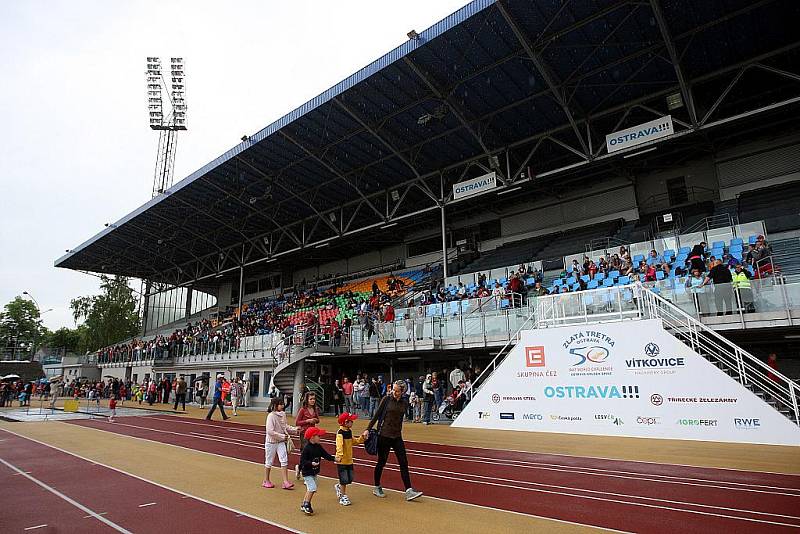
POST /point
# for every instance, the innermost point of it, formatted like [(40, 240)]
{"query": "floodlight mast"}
[(166, 124)]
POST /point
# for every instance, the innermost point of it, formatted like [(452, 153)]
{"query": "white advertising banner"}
[(621, 379), (476, 186), (640, 134)]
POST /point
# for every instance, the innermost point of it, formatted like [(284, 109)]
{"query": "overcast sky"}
[(76, 151)]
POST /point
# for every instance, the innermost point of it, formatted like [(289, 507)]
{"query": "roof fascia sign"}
[(475, 186), (640, 134)]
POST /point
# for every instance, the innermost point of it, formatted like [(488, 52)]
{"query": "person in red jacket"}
[(307, 417)]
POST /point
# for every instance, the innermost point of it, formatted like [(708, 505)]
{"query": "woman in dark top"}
[(391, 411), (697, 257)]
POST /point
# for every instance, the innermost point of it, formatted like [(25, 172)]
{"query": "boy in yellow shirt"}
[(344, 455)]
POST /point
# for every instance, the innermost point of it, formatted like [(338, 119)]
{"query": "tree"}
[(109, 317), (20, 323), (64, 338)]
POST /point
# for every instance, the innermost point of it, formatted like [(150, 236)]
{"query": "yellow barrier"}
[(70, 406)]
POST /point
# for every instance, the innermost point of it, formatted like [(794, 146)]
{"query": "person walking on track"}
[(276, 443), (217, 400), (389, 418), (307, 417), (180, 393), (236, 394)]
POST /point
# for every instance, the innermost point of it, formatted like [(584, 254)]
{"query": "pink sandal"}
[(287, 486), (267, 484)]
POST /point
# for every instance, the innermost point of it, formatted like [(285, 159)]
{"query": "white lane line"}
[(515, 484), (459, 476), (57, 493), (229, 458), (644, 477), (21, 473), (146, 504), (98, 513), (35, 527), (469, 457), (162, 486)]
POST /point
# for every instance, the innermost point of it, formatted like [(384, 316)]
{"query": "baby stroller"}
[(451, 406)]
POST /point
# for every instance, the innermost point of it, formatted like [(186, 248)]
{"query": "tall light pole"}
[(166, 124)]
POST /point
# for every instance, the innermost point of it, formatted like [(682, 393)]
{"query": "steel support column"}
[(686, 91)]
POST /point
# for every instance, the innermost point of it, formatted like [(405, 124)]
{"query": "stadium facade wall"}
[(699, 174), (758, 166)]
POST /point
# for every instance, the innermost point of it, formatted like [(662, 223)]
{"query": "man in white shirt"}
[(456, 376)]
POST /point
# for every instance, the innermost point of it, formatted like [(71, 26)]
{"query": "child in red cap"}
[(344, 455), (309, 465)]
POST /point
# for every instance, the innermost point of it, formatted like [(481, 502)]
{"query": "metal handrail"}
[(749, 371), (512, 341)]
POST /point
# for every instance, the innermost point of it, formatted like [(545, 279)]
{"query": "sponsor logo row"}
[(611, 391), (741, 423), (591, 355)]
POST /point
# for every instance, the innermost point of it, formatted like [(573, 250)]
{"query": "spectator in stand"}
[(697, 257), (741, 285), (650, 273), (772, 362), (592, 269), (721, 277), (575, 268), (515, 285), (498, 290)]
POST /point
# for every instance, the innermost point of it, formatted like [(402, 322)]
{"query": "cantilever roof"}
[(489, 79)]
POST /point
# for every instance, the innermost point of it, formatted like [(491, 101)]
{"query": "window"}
[(254, 375)]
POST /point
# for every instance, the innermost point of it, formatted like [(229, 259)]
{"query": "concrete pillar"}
[(299, 380)]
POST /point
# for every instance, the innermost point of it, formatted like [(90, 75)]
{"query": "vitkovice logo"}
[(654, 363), (591, 353)]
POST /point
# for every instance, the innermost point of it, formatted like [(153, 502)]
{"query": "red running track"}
[(93, 498), (624, 495)]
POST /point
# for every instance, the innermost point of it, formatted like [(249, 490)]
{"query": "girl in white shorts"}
[(276, 442)]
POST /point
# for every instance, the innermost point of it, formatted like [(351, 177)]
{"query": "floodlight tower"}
[(167, 124)]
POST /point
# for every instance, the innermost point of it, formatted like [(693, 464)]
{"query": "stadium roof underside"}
[(536, 84)]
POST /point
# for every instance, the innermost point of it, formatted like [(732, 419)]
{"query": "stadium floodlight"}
[(413, 35), (674, 101), (171, 80)]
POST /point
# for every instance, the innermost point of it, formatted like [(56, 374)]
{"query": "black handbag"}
[(371, 443)]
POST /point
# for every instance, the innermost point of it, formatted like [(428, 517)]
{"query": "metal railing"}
[(768, 383)]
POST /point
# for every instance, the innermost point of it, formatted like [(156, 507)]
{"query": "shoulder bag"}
[(371, 444)]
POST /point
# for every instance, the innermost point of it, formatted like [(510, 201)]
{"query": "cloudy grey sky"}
[(75, 147)]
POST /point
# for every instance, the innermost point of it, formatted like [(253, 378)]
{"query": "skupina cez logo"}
[(590, 351)]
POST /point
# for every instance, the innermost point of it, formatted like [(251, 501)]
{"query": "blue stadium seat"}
[(530, 281), (608, 282), (737, 254), (576, 287), (752, 239), (592, 284), (624, 280), (685, 250), (737, 241), (637, 258), (600, 276), (585, 277), (613, 274), (736, 248), (668, 254), (718, 244), (659, 275)]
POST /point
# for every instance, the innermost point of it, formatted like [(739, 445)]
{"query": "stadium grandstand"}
[(303, 234), (579, 219)]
